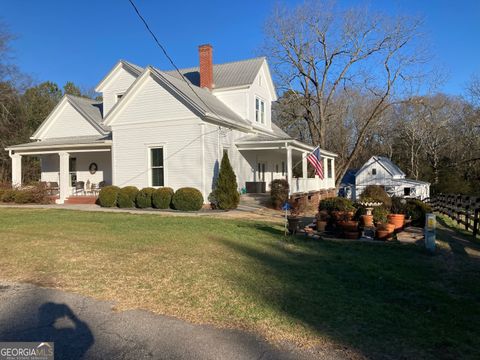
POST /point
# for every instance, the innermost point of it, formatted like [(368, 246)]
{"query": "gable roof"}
[(386, 163), (231, 74), (89, 109), (131, 68), (198, 100)]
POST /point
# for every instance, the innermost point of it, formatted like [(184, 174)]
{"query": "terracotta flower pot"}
[(367, 220), (349, 226), (321, 225), (385, 230), (398, 220), (383, 234)]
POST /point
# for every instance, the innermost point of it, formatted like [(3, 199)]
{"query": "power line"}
[(169, 58)]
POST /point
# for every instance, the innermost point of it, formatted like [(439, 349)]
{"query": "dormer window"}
[(119, 96), (259, 111)]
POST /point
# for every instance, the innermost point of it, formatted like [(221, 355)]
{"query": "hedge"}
[(126, 197), (162, 198), (187, 199), (144, 198), (416, 210), (8, 195), (108, 196)]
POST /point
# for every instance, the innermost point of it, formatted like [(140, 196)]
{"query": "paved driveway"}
[(84, 328)]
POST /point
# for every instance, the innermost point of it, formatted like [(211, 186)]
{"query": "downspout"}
[(202, 141)]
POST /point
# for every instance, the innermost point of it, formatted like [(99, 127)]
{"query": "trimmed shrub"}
[(278, 192), (376, 193), (8, 195), (416, 211), (32, 194), (144, 198), (108, 196), (336, 204), (162, 198), (126, 197), (187, 199), (226, 190)]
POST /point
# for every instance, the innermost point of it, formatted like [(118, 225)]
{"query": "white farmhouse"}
[(163, 128), (382, 171)]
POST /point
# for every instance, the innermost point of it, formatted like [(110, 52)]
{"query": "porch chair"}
[(80, 187)]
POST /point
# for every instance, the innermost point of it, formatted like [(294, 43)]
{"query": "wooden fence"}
[(464, 209)]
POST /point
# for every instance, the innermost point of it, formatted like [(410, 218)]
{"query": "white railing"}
[(301, 185)]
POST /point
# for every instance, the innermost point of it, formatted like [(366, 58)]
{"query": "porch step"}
[(85, 199), (255, 200)]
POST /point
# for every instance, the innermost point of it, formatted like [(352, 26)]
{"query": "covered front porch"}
[(68, 169), (286, 159)]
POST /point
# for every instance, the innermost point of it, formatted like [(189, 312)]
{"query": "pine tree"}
[(226, 192)]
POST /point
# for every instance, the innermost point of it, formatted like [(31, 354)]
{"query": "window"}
[(329, 168), (259, 111), (283, 168), (406, 191), (119, 96), (276, 168), (156, 166), (374, 171)]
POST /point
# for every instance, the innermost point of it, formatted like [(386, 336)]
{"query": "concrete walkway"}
[(84, 328)]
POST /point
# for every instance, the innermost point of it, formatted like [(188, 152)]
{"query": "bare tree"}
[(324, 54)]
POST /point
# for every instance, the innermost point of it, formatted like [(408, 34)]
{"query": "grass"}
[(380, 300)]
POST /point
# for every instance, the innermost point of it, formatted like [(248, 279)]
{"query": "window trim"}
[(260, 117), (150, 167)]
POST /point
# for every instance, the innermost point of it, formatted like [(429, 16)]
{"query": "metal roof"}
[(237, 73), (388, 164), (73, 140), (203, 101), (92, 109)]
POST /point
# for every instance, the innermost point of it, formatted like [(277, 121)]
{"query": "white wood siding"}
[(118, 84), (236, 99), (263, 92), (182, 153), (68, 122), (152, 103)]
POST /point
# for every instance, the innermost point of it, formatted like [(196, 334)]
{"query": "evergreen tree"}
[(226, 192), (71, 89)]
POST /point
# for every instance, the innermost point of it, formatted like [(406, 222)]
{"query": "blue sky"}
[(81, 40)]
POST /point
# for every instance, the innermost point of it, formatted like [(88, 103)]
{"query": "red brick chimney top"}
[(206, 66)]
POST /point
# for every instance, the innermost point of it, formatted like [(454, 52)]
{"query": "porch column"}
[(304, 165), (16, 170), (289, 167), (64, 179)]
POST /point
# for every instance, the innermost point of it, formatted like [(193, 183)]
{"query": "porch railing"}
[(301, 185)]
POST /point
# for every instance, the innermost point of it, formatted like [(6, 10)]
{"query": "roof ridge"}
[(225, 63)]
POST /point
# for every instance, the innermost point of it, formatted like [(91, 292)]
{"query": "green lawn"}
[(381, 300)]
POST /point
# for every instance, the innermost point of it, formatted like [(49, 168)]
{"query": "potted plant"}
[(367, 205), (322, 220), (384, 229), (293, 218), (397, 213)]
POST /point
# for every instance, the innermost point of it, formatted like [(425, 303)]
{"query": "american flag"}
[(315, 159)]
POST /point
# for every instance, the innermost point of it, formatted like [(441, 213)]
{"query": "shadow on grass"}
[(385, 302)]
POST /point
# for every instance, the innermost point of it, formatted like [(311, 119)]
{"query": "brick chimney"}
[(206, 66)]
